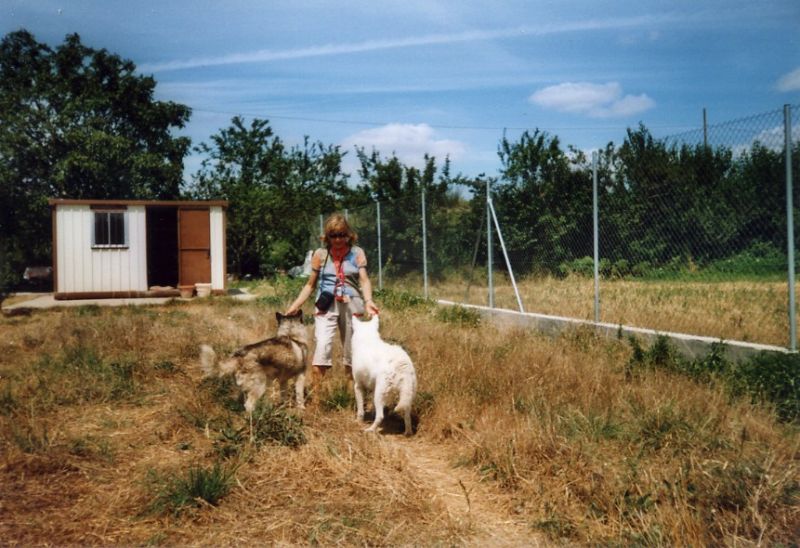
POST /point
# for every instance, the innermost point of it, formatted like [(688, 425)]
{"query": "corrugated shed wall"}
[(82, 268), (217, 225)]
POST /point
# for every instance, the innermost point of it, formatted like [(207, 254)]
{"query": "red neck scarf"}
[(338, 262)]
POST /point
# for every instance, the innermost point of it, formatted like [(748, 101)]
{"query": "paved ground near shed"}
[(38, 301)]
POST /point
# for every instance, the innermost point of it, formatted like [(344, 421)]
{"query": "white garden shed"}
[(136, 248)]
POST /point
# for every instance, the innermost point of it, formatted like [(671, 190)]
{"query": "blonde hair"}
[(338, 223)]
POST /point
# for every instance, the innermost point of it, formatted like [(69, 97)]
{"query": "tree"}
[(399, 188), (544, 200), (77, 123), (274, 193)]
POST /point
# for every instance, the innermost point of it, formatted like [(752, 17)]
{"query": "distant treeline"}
[(82, 123), (663, 209)]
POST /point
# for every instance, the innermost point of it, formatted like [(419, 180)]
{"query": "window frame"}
[(107, 214)]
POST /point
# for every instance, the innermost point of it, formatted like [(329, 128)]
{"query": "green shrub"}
[(459, 315), (759, 259), (402, 300), (583, 266), (660, 355), (771, 377)]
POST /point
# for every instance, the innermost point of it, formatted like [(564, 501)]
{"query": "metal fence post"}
[(596, 238), (424, 246), (321, 224), (489, 241), (380, 255), (505, 255), (787, 125)]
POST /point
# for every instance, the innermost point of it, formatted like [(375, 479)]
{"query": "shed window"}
[(109, 229)]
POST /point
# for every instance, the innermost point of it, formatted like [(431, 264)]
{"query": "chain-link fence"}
[(686, 233)]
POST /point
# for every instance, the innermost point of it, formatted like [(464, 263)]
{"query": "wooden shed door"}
[(194, 242)]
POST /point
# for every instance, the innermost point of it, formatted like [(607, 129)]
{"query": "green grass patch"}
[(224, 391), (760, 261), (276, 425), (402, 300), (458, 315), (338, 397), (768, 377), (80, 375), (198, 486)]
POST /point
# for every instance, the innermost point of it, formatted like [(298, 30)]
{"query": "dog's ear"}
[(279, 316)]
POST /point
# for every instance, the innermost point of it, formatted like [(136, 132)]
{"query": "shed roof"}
[(67, 201)]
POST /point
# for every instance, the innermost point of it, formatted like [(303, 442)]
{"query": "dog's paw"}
[(359, 417), (372, 428)]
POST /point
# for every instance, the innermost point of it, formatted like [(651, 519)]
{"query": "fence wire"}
[(692, 235)]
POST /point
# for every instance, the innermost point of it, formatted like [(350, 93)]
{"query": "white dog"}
[(385, 368)]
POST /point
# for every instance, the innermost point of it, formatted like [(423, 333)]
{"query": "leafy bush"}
[(459, 315), (772, 377), (759, 259), (583, 266), (660, 355), (402, 300)]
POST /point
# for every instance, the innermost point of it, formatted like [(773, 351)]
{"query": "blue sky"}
[(444, 77)]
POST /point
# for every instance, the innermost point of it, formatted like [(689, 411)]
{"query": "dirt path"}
[(469, 501)]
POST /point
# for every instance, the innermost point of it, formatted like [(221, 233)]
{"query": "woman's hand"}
[(372, 308)]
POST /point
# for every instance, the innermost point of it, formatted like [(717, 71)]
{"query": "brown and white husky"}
[(282, 357)]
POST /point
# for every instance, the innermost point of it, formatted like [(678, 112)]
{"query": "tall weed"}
[(198, 486), (276, 425)]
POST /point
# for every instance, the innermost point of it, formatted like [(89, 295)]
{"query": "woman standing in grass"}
[(339, 274)]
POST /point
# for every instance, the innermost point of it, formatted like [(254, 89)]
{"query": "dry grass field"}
[(752, 311), (109, 436)]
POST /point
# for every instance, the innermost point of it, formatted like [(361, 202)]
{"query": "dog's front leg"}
[(378, 399), (284, 388), (359, 391), (300, 391)]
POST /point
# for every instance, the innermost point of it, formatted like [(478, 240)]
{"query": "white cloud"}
[(409, 142), (594, 100), (790, 81)]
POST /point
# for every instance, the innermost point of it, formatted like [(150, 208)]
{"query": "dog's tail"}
[(407, 390), (211, 366)]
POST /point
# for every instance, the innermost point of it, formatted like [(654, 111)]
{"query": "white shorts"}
[(339, 316)]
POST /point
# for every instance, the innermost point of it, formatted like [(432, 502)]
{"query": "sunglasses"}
[(337, 235)]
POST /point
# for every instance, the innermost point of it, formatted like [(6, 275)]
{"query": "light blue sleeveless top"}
[(327, 275)]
